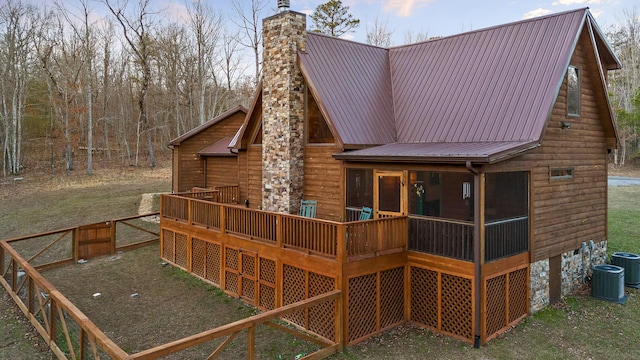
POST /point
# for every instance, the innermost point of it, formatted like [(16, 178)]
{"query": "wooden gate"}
[(94, 240)]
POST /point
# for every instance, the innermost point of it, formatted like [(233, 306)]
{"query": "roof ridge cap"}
[(493, 27)]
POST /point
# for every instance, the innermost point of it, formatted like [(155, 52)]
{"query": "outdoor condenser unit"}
[(607, 283), (631, 264)]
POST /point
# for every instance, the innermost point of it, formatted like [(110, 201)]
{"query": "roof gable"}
[(352, 85), (208, 124)]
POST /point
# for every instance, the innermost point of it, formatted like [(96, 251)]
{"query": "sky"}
[(448, 17)]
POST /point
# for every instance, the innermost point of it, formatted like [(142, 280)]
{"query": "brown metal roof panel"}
[(484, 152), (207, 124), (496, 84), (353, 85), (219, 148)]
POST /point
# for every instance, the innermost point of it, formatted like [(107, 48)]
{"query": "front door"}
[(389, 194)]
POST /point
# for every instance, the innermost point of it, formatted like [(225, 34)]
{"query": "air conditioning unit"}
[(607, 283), (631, 264)]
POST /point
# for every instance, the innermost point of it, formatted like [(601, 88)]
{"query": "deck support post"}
[(478, 221)]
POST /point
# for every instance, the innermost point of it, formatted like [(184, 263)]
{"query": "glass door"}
[(390, 196)]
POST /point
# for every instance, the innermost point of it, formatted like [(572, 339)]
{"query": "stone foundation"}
[(576, 267), (538, 285)]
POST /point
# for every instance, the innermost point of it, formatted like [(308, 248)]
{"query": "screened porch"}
[(440, 209)]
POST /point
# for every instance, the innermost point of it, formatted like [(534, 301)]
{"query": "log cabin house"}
[(483, 156)]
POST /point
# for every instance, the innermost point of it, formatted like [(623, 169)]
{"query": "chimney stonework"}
[(284, 34)]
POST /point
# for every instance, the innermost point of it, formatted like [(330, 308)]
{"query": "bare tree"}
[(251, 28), (624, 85), (62, 66), (411, 37), (205, 25), (19, 22), (136, 27), (379, 35), (82, 30)]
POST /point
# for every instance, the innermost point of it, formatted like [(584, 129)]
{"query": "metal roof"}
[(496, 84), (207, 124), (478, 152), (219, 148), (352, 85), (492, 89)]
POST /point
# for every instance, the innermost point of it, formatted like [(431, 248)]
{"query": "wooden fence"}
[(71, 335)]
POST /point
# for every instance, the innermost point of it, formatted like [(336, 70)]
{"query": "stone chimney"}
[(284, 34)]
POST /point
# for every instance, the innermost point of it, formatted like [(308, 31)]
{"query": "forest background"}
[(86, 83)]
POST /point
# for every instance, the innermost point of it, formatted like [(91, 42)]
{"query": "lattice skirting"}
[(365, 292), (442, 301), (300, 284), (506, 300), (247, 275)]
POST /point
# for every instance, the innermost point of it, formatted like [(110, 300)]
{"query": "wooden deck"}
[(273, 259)]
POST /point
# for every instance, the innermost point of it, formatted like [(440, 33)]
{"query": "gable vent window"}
[(561, 173), (573, 91)]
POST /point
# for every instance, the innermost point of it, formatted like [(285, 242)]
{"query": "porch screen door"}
[(390, 197)]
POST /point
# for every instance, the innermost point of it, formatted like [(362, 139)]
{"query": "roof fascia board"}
[(207, 124), (564, 71), (311, 86), (481, 159), (236, 143), (610, 120), (597, 31)]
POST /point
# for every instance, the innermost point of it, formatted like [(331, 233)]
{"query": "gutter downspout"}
[(478, 222)]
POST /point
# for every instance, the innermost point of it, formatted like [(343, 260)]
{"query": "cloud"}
[(596, 13), (307, 11), (404, 8), (347, 36), (535, 13), (573, 2)]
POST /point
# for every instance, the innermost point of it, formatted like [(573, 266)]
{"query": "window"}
[(573, 91), (318, 131), (561, 173)]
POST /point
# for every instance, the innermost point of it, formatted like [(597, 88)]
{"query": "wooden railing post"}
[(341, 284), (223, 219), (251, 342), (279, 230)]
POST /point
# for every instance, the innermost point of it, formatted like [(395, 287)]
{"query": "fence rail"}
[(250, 324), (69, 333)]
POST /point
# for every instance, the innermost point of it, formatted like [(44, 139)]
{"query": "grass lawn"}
[(578, 328)]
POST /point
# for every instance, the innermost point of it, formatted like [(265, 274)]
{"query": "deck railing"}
[(370, 237), (228, 194), (255, 224), (443, 237), (315, 236), (506, 237)]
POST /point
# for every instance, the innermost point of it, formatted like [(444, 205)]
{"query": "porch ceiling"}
[(444, 152)]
